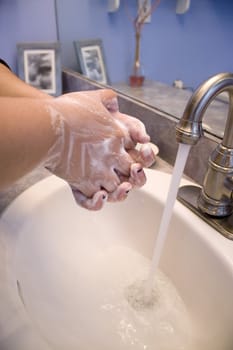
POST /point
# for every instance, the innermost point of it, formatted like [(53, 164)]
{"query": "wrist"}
[(58, 139)]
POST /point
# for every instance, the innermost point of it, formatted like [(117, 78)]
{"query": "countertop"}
[(173, 101)]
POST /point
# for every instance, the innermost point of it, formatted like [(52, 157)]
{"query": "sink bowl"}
[(61, 264)]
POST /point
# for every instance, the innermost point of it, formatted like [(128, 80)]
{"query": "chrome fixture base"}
[(189, 196), (216, 197)]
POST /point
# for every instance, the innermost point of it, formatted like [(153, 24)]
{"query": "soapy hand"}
[(94, 149)]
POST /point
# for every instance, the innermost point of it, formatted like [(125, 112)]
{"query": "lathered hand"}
[(95, 147)]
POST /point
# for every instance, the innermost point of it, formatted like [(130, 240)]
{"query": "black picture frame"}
[(39, 65), (91, 60)]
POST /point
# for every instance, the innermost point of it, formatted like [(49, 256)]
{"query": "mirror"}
[(187, 47)]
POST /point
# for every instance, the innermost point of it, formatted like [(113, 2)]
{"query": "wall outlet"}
[(113, 5), (178, 84), (144, 6), (182, 6)]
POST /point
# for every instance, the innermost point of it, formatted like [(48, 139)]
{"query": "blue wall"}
[(23, 21), (190, 47)]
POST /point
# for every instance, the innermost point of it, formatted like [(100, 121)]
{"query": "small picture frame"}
[(91, 60), (39, 65)]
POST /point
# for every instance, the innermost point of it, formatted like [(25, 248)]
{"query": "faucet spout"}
[(216, 195), (189, 129)]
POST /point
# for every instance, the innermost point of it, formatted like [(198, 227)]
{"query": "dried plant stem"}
[(138, 23), (136, 66)]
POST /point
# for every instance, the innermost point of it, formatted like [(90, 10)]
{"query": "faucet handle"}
[(216, 195)]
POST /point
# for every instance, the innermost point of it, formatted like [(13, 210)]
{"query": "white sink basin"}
[(56, 262)]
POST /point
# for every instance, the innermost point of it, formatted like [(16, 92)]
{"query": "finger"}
[(120, 193), (109, 99), (122, 163), (135, 127), (87, 188), (137, 175), (111, 104), (111, 182), (94, 203), (145, 155), (108, 181), (103, 94)]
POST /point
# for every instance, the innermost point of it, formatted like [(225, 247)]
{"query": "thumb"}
[(109, 100)]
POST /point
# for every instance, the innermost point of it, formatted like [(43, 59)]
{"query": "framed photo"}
[(91, 60), (39, 65)]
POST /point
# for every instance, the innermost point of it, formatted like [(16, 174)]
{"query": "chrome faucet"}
[(215, 199)]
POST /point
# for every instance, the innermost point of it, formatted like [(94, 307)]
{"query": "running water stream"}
[(181, 158)]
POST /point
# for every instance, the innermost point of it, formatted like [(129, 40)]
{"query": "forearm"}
[(26, 136), (11, 85)]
